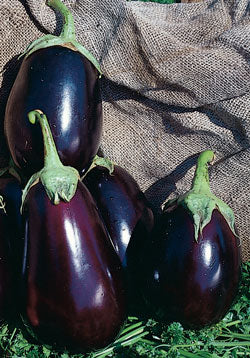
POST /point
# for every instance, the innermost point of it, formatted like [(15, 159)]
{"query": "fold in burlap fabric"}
[(176, 82)]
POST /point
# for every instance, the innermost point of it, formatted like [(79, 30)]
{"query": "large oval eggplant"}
[(73, 281), (193, 282), (190, 270), (64, 84), (123, 207), (11, 242)]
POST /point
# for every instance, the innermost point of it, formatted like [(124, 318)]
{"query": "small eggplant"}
[(191, 269), (123, 207), (61, 77), (11, 241), (73, 294)]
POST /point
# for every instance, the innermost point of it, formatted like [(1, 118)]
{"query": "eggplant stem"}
[(68, 29), (51, 157), (200, 201), (201, 178), (59, 181), (67, 37)]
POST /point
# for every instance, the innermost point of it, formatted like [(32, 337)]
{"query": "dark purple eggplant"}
[(123, 207), (61, 78), (190, 271), (73, 294), (11, 241)]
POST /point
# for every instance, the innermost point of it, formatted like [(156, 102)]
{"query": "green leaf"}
[(46, 351), (65, 355)]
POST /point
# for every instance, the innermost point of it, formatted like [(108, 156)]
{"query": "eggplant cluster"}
[(79, 238), (67, 236)]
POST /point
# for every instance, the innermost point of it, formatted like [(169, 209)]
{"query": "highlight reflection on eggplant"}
[(191, 268), (60, 77), (73, 293)]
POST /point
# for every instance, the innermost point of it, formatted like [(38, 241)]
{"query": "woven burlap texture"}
[(176, 82)]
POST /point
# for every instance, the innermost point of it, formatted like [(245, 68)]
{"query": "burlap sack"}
[(176, 82)]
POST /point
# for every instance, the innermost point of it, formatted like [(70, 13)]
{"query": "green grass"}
[(230, 338)]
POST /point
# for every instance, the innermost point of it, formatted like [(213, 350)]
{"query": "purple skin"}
[(73, 282), (64, 85), (6, 285), (191, 282), (124, 209), (11, 243)]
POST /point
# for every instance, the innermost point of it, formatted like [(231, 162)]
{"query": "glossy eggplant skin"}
[(124, 209), (63, 84), (73, 295), (191, 282), (11, 242)]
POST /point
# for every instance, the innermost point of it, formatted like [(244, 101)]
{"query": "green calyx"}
[(101, 162), (200, 201), (67, 38), (60, 182), (11, 169)]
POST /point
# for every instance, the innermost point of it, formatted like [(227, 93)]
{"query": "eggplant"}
[(190, 270), (73, 294), (60, 77), (11, 242), (72, 275), (126, 213)]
